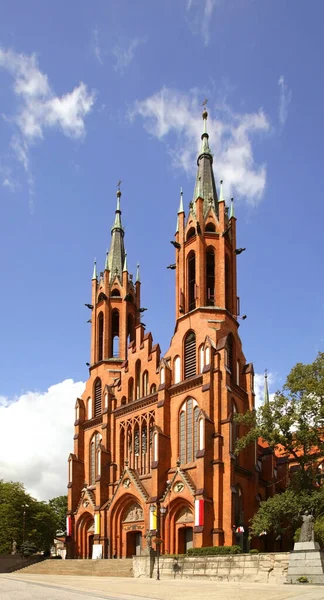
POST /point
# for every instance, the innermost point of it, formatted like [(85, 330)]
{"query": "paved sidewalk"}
[(17, 586)]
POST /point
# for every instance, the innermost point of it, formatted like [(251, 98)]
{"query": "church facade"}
[(155, 435)]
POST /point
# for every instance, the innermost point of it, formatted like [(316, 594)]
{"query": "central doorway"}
[(185, 539), (134, 543)]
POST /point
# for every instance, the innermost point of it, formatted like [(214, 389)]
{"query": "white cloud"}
[(202, 17), (96, 46), (124, 56), (174, 117), (259, 388), (39, 109), (284, 100), (36, 437)]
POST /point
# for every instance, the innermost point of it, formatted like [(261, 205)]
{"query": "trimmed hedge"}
[(212, 550)]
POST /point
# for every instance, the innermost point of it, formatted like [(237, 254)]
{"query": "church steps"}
[(120, 567)]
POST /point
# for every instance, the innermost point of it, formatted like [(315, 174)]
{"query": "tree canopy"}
[(292, 424), (26, 520)]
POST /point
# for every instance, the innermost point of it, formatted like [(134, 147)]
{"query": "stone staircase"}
[(119, 567)]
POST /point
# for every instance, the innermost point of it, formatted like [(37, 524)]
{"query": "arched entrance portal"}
[(133, 525), (184, 529), (85, 533)]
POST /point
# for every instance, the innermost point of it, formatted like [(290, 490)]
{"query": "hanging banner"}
[(153, 519), (199, 513), (68, 525), (96, 551), (97, 524)]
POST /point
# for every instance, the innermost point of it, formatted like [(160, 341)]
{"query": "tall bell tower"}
[(205, 243)]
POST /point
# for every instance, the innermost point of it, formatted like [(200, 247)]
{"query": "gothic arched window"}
[(191, 280), (145, 383), (190, 355), (138, 379), (115, 334), (94, 470), (100, 335), (97, 395), (228, 285), (188, 431), (229, 356), (130, 389), (177, 369), (210, 277), (234, 428)]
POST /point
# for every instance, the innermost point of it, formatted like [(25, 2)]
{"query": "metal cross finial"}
[(118, 184), (204, 103)]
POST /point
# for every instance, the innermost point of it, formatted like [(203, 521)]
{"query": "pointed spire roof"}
[(138, 273), (221, 196), (106, 262), (181, 202), (231, 214), (266, 389), (116, 256), (125, 268), (94, 274), (205, 183)]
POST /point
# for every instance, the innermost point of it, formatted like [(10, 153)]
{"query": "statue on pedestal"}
[(307, 528), (14, 547)]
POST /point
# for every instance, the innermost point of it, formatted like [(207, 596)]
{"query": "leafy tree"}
[(293, 422), (59, 506), (24, 519), (293, 426), (282, 514)]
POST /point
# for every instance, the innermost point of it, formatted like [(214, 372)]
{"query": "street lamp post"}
[(161, 510), (24, 520)]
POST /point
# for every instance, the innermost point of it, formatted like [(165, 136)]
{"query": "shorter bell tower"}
[(115, 302)]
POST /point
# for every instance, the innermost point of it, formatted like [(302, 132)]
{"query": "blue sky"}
[(95, 92)]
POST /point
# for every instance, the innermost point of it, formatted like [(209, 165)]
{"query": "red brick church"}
[(155, 435)]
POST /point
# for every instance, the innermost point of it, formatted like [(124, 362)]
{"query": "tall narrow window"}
[(115, 334), (234, 428), (177, 369), (94, 446), (191, 281), (188, 431), (190, 355), (130, 389), (98, 398), (228, 284), (145, 383), (100, 335), (210, 277), (230, 353), (138, 379)]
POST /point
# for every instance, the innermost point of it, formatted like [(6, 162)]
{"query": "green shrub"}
[(302, 579), (254, 551), (212, 550)]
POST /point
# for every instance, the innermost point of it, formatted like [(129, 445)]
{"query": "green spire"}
[(138, 273), (125, 263), (266, 389), (117, 223), (181, 202), (94, 274), (116, 256), (221, 197), (205, 183), (231, 215), (106, 263), (204, 138)]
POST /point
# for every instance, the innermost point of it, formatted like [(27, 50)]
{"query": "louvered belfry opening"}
[(191, 281), (190, 355), (230, 361), (100, 335), (98, 398)]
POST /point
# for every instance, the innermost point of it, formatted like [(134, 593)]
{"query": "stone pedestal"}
[(306, 560)]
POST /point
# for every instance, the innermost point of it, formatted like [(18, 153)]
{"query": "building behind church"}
[(155, 435)]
